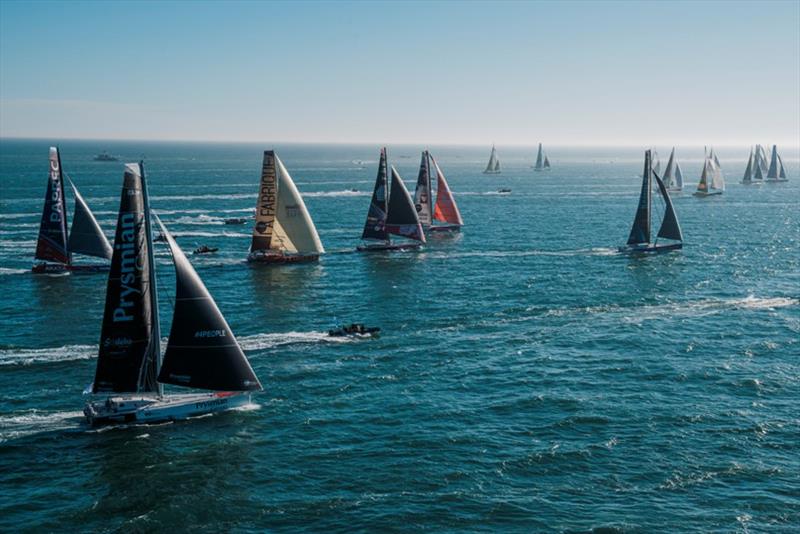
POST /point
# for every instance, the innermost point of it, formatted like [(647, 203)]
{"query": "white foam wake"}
[(20, 424)]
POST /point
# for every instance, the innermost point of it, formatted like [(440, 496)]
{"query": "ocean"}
[(528, 378)]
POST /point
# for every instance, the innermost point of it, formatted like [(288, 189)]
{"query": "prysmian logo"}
[(210, 333)]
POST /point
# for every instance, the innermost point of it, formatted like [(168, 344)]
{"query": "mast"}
[(640, 232), (423, 194), (150, 372)]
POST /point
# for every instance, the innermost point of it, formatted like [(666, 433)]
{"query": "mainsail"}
[(772, 173), (673, 178), (445, 209), (86, 236), (129, 340), (748, 172), (402, 218), (546, 162), (52, 242), (202, 351), (640, 231), (423, 194), (493, 167), (539, 159), (375, 225)]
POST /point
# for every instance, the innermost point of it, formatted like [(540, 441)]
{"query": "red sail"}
[(445, 209)]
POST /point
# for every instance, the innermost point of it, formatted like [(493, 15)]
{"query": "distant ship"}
[(673, 176), (639, 240), (283, 231), (105, 156), (773, 174), (542, 162), (444, 211), (202, 352), (711, 181), (391, 212), (493, 167), (54, 247)]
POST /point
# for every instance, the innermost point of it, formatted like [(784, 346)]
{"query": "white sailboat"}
[(283, 230), (202, 353), (673, 176), (493, 167), (712, 182)]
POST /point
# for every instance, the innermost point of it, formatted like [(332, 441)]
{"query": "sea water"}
[(528, 377)]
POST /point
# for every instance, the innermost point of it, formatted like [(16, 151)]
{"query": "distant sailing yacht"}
[(201, 353), (85, 237), (444, 210), (639, 238), (542, 162), (711, 181), (284, 231), (776, 163), (673, 176), (391, 211), (748, 177), (493, 167)]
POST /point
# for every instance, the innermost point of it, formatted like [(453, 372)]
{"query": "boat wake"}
[(345, 193), (21, 424), (268, 341)]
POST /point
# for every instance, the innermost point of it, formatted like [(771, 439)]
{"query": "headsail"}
[(52, 242), (717, 180), (423, 194), (539, 159), (705, 177), (772, 173), (748, 172), (640, 232), (782, 173), (546, 162), (129, 340), (446, 209), (293, 230), (375, 225), (86, 236), (202, 351), (670, 229), (678, 176), (402, 219)]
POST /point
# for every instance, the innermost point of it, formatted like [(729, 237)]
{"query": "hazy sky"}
[(426, 73)]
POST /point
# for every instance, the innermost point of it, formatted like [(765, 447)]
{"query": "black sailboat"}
[(639, 240), (391, 212), (201, 353), (54, 246)]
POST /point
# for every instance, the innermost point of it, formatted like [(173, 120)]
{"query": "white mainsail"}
[(493, 167)]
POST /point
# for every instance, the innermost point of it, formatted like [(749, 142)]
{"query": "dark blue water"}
[(528, 379)]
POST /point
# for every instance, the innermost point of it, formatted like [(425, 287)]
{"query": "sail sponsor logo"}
[(130, 268), (210, 333), (55, 195), (117, 342), (216, 403), (267, 196)]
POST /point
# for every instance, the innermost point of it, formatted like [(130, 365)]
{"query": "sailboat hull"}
[(444, 228), (49, 268), (649, 249), (491, 172), (154, 409), (378, 247), (706, 194), (281, 258)]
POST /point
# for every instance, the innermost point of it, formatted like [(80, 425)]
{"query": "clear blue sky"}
[(600, 73)]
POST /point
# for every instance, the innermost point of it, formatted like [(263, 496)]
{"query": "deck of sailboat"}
[(152, 408), (279, 258), (379, 247), (706, 193), (50, 268), (648, 248), (444, 228)]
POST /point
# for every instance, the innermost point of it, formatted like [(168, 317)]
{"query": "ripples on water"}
[(528, 378)]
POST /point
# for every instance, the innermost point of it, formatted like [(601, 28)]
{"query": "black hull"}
[(50, 268), (281, 259), (391, 246), (650, 249), (445, 228)]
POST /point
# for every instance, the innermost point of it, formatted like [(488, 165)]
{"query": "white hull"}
[(154, 409)]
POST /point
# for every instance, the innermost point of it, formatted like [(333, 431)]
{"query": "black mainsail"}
[(640, 236), (52, 242), (423, 193), (86, 236), (375, 225), (402, 219), (640, 231), (128, 357), (772, 173), (202, 351)]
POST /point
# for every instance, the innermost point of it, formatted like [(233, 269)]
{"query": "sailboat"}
[(750, 177), (202, 352), (444, 211), (391, 212), (639, 240), (761, 159), (711, 181), (673, 176), (493, 167), (776, 172), (54, 246), (283, 231), (542, 163)]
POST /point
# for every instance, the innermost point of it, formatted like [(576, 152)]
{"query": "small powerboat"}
[(236, 220), (504, 191), (205, 249), (355, 330)]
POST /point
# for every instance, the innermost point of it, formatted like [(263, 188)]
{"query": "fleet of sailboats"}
[(391, 212), (201, 354), (443, 215), (493, 167), (283, 230), (54, 246), (640, 238), (542, 161), (712, 182)]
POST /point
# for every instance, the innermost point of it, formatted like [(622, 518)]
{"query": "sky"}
[(511, 73)]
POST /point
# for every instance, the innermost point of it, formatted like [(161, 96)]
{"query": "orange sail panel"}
[(445, 209)]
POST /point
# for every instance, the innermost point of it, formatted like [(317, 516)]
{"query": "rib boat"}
[(443, 215), (639, 240), (54, 246), (283, 230), (202, 353), (391, 212)]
